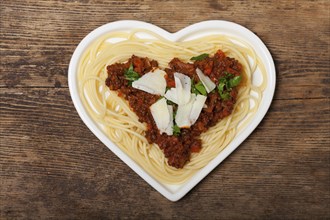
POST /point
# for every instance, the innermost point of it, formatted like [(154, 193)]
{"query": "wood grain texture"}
[(53, 167)]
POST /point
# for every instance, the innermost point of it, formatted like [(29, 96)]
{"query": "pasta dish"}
[(171, 106)]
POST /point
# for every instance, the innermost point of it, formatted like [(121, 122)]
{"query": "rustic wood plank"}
[(49, 31), (52, 165)]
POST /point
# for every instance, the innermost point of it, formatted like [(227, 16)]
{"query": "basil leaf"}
[(200, 57), (221, 87), (193, 88), (131, 75), (235, 81), (176, 130), (131, 67), (200, 88), (174, 114), (223, 80), (225, 96), (227, 74), (226, 84), (169, 102)]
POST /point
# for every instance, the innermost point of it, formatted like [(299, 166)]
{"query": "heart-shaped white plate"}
[(176, 192)]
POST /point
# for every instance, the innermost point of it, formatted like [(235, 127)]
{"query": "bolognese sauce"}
[(219, 104)]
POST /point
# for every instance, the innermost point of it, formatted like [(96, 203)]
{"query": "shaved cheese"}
[(181, 93), (182, 115), (184, 82), (188, 114), (163, 116), (172, 95), (169, 129), (197, 108), (189, 105), (152, 82), (207, 82)]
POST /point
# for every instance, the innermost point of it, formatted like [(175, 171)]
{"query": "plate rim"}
[(233, 145)]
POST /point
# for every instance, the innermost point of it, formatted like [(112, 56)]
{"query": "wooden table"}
[(52, 166)]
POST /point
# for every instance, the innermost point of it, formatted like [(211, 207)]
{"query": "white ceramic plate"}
[(176, 192)]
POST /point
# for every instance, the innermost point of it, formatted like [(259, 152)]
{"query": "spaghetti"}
[(122, 125)]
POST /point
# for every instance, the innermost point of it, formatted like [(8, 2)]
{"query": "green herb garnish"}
[(200, 88), (174, 114), (131, 75), (169, 102), (225, 96), (200, 57), (227, 74), (235, 81), (222, 83), (176, 130), (221, 87), (226, 84), (193, 88)]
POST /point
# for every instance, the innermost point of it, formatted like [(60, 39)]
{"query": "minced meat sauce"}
[(177, 148)]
